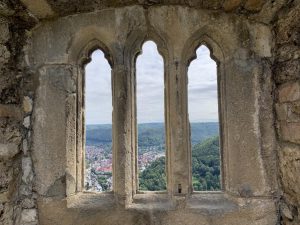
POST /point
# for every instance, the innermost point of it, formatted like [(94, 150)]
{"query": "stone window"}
[(98, 124), (203, 112), (246, 137), (150, 117)]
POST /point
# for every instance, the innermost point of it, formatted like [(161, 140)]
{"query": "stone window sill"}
[(92, 200), (205, 203)]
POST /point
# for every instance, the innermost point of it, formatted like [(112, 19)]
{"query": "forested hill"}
[(205, 167), (150, 134)]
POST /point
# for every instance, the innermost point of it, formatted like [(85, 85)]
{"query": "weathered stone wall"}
[(242, 47), (244, 27), (17, 199), (287, 79)]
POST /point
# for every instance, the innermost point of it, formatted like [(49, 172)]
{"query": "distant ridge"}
[(150, 134)]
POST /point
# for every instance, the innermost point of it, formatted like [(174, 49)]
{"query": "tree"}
[(206, 165), (153, 178)]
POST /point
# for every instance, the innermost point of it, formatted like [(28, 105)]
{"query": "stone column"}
[(122, 135), (177, 125), (80, 124), (54, 136)]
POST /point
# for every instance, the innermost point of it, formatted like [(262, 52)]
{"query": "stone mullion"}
[(80, 154), (178, 128), (122, 120), (168, 152)]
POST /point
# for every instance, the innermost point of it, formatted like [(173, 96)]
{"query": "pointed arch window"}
[(150, 114), (203, 112), (98, 124)]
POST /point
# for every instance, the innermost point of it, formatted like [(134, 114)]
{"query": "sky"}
[(202, 87)]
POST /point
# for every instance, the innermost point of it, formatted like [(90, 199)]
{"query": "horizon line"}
[(150, 123)]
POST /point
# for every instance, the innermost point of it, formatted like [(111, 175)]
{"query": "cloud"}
[(150, 85), (202, 87), (98, 90)]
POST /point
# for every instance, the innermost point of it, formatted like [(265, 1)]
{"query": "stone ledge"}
[(211, 203), (91, 200), (201, 202), (205, 209)]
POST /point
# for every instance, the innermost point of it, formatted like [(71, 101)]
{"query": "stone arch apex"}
[(85, 42), (195, 41), (84, 56), (135, 42)]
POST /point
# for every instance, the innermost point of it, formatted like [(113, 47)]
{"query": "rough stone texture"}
[(230, 5), (27, 104), (50, 8), (8, 151), (26, 122), (289, 92), (14, 23), (256, 43), (287, 76), (289, 166), (249, 152), (28, 217)]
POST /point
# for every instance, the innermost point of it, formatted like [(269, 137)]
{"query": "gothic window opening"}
[(98, 124), (203, 106), (150, 119)]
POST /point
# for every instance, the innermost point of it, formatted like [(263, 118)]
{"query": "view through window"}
[(150, 119), (203, 116), (204, 121), (98, 122)]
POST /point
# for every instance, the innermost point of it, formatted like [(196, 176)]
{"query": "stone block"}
[(1, 208), (212, 4), (40, 9), (287, 29), (25, 147), (254, 5), (281, 111), (10, 132), (6, 176), (288, 52), (10, 111), (4, 196), (28, 203), (289, 92), (289, 162), (289, 112), (286, 212), (261, 40), (27, 104), (25, 190), (5, 10), (295, 108), (230, 5), (288, 70), (4, 54), (28, 216), (7, 215), (27, 170), (4, 32), (290, 132), (293, 112), (26, 122), (8, 151)]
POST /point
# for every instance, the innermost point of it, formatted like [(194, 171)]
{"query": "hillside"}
[(205, 169), (149, 134), (206, 165)]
